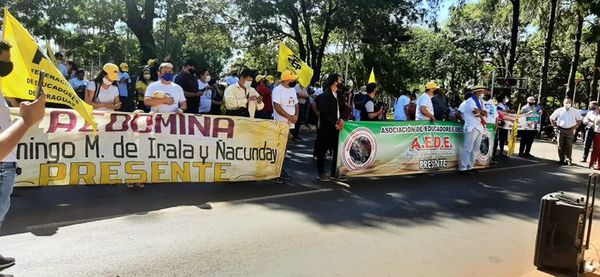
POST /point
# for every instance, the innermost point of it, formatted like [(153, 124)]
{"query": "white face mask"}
[(106, 82), (248, 84), (567, 106)]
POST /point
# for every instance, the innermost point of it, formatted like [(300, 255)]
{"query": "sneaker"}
[(339, 179), (323, 178), (568, 162), (6, 262)]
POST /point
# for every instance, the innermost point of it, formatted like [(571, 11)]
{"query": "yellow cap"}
[(112, 71), (270, 78), (259, 78), (431, 85), (288, 75), (124, 67)]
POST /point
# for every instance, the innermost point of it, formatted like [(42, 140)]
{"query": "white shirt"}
[(5, 122), (590, 119), (370, 106), (424, 100), (566, 119), (205, 99), (287, 98), (471, 121), (399, 113), (170, 90), (105, 96), (596, 123)]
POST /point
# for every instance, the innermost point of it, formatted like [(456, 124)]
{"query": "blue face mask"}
[(167, 77)]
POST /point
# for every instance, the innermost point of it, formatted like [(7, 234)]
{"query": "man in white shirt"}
[(10, 135), (566, 119), (588, 121), (285, 99), (165, 96), (401, 106), (474, 115), (285, 105), (79, 83), (424, 104)]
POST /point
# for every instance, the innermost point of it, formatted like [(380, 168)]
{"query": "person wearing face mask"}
[(164, 96), (370, 111), (266, 92), (424, 105), (330, 110), (589, 121), (140, 87), (490, 107), (241, 99), (188, 81), (286, 107), (11, 134), (474, 115), (566, 120), (501, 133), (102, 93), (205, 91), (528, 136), (440, 104), (79, 83)]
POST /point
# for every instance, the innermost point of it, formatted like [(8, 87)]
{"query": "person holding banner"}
[(566, 119), (330, 109), (165, 96), (474, 115), (10, 135), (424, 104), (370, 111), (241, 99), (590, 122), (102, 94), (528, 136)]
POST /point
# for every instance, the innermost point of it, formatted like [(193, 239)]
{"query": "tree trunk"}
[(547, 51), (575, 62), (514, 34), (596, 74), (142, 27)]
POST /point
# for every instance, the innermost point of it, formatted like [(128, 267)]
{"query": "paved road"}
[(442, 224)]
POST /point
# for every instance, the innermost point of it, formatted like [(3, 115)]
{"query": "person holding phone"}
[(102, 93), (11, 134)]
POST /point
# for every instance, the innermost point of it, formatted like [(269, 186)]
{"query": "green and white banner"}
[(388, 148)]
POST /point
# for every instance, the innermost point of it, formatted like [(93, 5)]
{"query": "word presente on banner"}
[(389, 148), (149, 148)]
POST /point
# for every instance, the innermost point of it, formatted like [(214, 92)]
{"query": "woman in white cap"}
[(102, 93)]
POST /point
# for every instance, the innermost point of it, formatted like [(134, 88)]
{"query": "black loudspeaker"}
[(561, 229)]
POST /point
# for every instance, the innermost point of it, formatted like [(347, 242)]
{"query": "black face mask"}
[(192, 72), (531, 103), (293, 84), (487, 97), (5, 68)]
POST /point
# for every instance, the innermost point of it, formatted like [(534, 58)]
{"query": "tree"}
[(514, 34), (576, 56), (140, 20), (547, 49)]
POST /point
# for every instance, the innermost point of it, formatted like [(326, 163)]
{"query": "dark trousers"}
[(326, 140), (588, 140), (501, 139), (565, 144), (527, 138)]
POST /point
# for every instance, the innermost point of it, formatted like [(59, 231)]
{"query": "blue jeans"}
[(8, 172)]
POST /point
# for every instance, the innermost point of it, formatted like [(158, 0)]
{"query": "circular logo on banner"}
[(484, 153), (359, 149)]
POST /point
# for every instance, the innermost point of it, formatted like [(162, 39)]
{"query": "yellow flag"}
[(50, 54), (372, 77), (513, 135), (28, 60), (288, 60)]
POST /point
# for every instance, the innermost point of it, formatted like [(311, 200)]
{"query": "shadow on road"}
[(512, 189)]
